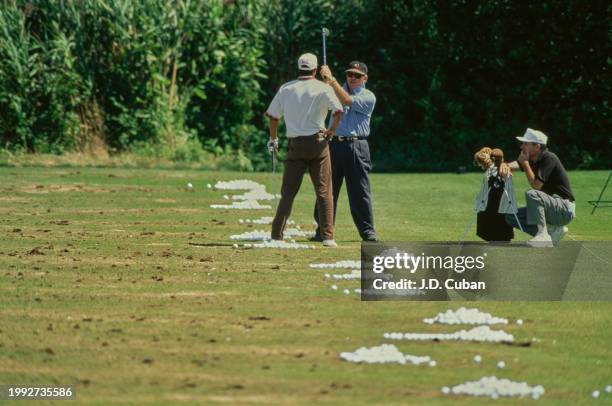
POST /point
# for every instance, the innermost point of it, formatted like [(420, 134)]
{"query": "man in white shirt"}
[(304, 104)]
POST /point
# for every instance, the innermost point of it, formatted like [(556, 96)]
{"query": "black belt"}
[(342, 138)]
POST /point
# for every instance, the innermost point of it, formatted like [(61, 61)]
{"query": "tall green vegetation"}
[(174, 77)]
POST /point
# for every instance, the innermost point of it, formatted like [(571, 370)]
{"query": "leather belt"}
[(342, 138)]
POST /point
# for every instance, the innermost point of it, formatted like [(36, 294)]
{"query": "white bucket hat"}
[(534, 136)]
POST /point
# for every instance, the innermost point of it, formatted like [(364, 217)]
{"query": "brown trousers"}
[(307, 153)]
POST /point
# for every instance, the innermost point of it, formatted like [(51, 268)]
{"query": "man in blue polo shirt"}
[(350, 153)]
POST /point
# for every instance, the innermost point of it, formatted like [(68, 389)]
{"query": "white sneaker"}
[(557, 233), (329, 243), (541, 240)]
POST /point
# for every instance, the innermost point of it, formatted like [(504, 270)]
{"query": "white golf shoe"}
[(557, 233), (541, 240), (329, 243)]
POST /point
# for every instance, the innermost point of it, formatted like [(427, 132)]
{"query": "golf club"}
[(324, 33), (274, 161)]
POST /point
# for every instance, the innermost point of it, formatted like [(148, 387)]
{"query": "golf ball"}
[(501, 364), (608, 389), (432, 363), (595, 394), (519, 322), (446, 390), (477, 359), (346, 291), (208, 185), (334, 287)]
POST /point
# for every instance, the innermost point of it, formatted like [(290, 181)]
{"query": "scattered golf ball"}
[(477, 359), (346, 291), (226, 197), (208, 185), (334, 287), (235, 245), (446, 390), (608, 389), (189, 186), (432, 363), (501, 364), (595, 394), (519, 322)]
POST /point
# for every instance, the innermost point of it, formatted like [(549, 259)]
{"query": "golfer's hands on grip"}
[(326, 74), (272, 145), (504, 170)]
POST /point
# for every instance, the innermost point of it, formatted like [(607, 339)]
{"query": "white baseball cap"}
[(534, 136), (307, 62)]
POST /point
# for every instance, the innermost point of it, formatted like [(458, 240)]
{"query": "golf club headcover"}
[(486, 157), (482, 158)]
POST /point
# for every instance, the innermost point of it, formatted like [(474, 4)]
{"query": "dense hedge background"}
[(176, 77)]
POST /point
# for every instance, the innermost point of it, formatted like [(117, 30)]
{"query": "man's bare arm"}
[(273, 127), (342, 94)]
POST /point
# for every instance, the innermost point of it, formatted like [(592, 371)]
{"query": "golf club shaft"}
[(323, 35)]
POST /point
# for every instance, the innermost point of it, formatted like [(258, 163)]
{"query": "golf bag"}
[(495, 200)]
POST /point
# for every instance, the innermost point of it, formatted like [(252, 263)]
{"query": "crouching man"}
[(550, 203)]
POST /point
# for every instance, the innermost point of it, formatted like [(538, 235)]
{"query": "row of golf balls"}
[(480, 334), (494, 387), (340, 264), (264, 220)]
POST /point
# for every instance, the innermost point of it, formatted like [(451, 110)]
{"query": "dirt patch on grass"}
[(42, 189), (13, 199)]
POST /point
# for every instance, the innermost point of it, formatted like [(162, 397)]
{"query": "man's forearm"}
[(528, 172), (335, 120), (342, 94), (273, 128)]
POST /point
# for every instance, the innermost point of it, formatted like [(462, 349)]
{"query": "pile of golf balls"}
[(254, 194), (263, 220), (279, 244), (385, 353), (465, 316), (261, 235), (239, 184), (479, 334), (494, 387), (340, 264), (244, 205)]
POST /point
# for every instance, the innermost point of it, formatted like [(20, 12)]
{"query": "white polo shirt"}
[(304, 104)]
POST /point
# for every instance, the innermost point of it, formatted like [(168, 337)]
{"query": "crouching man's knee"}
[(533, 194)]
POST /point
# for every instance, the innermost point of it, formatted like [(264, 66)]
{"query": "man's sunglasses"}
[(354, 75)]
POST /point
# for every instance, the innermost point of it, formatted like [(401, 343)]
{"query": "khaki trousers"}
[(306, 153)]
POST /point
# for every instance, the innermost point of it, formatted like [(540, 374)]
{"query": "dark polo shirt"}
[(549, 170)]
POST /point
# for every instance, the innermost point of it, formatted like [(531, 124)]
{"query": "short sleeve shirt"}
[(304, 104), (549, 170)]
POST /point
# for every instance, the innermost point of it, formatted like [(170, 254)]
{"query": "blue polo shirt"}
[(355, 121)]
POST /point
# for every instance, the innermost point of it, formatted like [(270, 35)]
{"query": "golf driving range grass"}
[(126, 285)]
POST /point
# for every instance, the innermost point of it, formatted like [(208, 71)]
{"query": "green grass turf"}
[(116, 301)]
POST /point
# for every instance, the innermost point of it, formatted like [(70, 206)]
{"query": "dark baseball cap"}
[(358, 67)]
